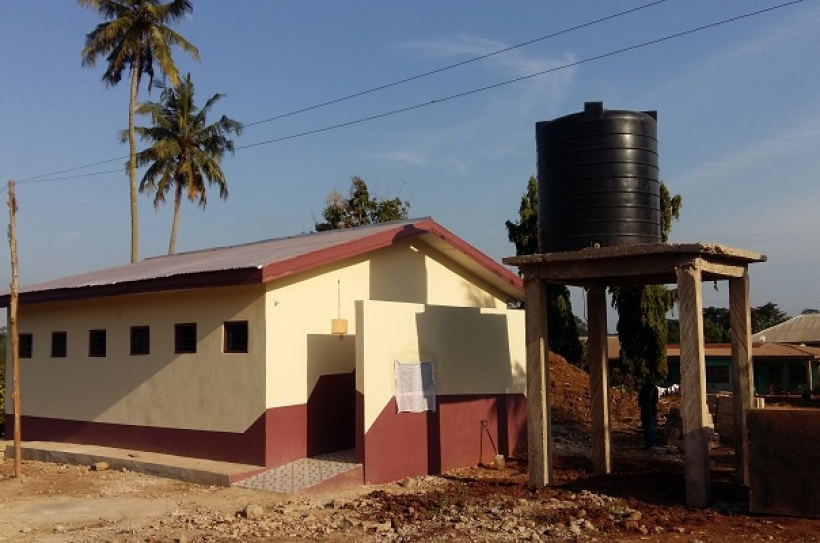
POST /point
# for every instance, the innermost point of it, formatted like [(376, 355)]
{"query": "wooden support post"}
[(599, 382), (693, 386), (13, 337), (740, 321), (538, 383)]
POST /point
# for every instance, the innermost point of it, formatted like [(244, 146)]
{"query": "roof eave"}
[(222, 278)]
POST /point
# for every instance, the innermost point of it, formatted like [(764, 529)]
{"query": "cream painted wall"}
[(209, 390), (450, 284), (291, 344), (299, 310), (414, 272), (473, 350), (298, 314)]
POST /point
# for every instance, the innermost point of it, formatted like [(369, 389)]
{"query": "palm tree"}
[(184, 150), (136, 36)]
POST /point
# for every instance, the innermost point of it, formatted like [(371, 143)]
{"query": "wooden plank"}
[(693, 387), (599, 382), (538, 379), (740, 322)]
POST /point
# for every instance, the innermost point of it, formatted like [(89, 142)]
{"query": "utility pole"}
[(15, 346)]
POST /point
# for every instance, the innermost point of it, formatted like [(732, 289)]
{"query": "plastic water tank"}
[(598, 179)]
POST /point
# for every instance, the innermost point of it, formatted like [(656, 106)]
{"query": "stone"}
[(99, 466), (253, 512)]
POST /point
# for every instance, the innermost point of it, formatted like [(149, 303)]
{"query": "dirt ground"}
[(642, 500)]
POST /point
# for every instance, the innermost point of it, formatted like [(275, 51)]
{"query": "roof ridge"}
[(325, 233)]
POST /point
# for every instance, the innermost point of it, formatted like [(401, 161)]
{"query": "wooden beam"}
[(693, 386), (740, 322), (538, 384), (599, 382)]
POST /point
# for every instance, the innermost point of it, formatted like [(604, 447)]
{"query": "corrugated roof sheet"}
[(800, 329), (246, 256), (268, 260)]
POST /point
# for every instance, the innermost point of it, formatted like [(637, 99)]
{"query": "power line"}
[(67, 177), (388, 85), (39, 177), (450, 97), (456, 65), (518, 79)]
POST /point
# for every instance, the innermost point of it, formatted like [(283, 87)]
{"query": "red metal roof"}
[(759, 350), (264, 261)]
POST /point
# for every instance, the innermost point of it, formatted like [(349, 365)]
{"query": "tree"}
[(766, 316), (673, 331), (360, 209), (135, 37), (184, 151), (562, 327), (717, 328), (716, 325), (642, 326)]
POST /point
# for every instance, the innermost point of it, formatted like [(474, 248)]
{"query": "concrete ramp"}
[(192, 470), (314, 474)]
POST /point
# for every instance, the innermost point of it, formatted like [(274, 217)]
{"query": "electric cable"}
[(434, 101), (388, 85)]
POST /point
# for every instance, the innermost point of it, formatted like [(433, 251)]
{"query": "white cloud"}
[(510, 64), (409, 158), (787, 37), (768, 153), (514, 60)]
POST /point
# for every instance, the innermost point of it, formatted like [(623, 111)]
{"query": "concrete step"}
[(316, 473)]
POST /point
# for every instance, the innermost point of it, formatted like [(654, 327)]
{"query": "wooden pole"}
[(15, 347)]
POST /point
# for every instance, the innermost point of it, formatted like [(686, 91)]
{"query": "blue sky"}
[(738, 121)]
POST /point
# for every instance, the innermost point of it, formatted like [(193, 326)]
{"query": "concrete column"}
[(538, 382), (599, 381), (740, 320), (693, 386)]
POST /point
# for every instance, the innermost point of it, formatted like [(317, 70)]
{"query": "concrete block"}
[(784, 461)]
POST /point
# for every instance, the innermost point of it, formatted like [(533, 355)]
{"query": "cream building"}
[(273, 351)]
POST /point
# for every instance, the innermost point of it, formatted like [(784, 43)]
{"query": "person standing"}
[(648, 402)]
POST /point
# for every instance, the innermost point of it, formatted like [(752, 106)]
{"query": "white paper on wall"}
[(415, 387)]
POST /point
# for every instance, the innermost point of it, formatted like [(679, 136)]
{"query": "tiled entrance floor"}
[(302, 473)]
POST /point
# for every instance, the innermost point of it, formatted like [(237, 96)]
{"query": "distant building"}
[(800, 330), (778, 367)]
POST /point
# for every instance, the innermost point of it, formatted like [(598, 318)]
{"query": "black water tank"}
[(598, 179)]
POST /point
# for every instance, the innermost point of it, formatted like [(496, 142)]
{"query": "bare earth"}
[(642, 500)]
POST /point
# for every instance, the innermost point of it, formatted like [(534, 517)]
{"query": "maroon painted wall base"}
[(400, 445)]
